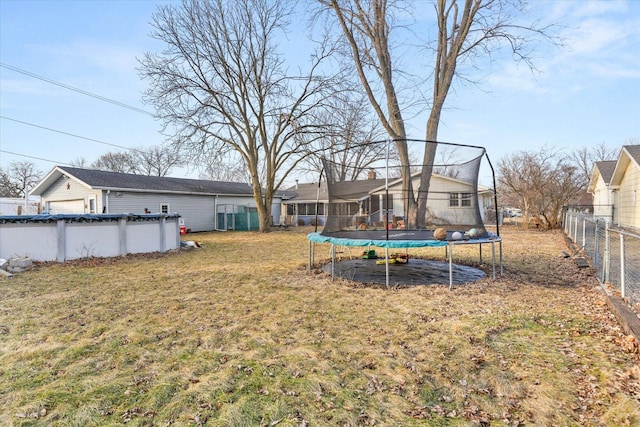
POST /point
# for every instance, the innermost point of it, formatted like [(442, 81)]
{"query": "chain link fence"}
[(614, 252)]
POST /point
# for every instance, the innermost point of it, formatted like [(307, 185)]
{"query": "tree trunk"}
[(264, 208)]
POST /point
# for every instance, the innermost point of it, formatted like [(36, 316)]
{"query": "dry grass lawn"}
[(237, 333)]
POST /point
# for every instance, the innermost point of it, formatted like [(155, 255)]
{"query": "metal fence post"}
[(596, 246), (584, 232), (623, 292), (607, 253)]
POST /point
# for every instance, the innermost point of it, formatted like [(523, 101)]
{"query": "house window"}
[(92, 205), (320, 209), (460, 199), (164, 208), (305, 209), (345, 209)]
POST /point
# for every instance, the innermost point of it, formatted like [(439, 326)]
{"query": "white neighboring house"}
[(448, 196), (203, 205), (600, 189), (625, 183), (18, 206)]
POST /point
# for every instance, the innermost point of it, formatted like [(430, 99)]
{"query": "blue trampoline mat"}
[(396, 238)]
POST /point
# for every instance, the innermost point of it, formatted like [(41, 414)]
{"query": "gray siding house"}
[(203, 205)]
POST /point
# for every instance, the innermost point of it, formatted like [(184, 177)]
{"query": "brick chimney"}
[(372, 174)]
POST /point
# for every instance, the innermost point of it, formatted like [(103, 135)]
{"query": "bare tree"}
[(79, 162), (367, 30), (8, 188), (467, 31), (543, 182), (221, 82), (117, 161), (351, 140), (226, 167), (157, 160), (447, 158), (19, 179), (585, 157)]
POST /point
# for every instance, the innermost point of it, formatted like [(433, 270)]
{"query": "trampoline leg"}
[(493, 258), (312, 249), (386, 256), (450, 250), (333, 260), (480, 252), (500, 247)]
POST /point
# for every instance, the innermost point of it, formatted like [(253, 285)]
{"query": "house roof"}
[(308, 192), (630, 154), (605, 170), (106, 180)]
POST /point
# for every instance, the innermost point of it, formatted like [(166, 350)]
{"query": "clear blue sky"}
[(586, 93)]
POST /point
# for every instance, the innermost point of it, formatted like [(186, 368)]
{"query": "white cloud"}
[(599, 7), (596, 36), (518, 77)]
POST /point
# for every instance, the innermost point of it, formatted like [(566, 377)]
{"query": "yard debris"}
[(14, 265), (582, 262), (189, 244), (18, 265)]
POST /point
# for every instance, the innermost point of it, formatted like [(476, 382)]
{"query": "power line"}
[(75, 89), (67, 133), (35, 158)]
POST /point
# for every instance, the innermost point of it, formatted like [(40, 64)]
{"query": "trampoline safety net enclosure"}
[(428, 204), (378, 205)]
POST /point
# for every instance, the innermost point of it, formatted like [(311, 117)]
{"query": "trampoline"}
[(408, 211)]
